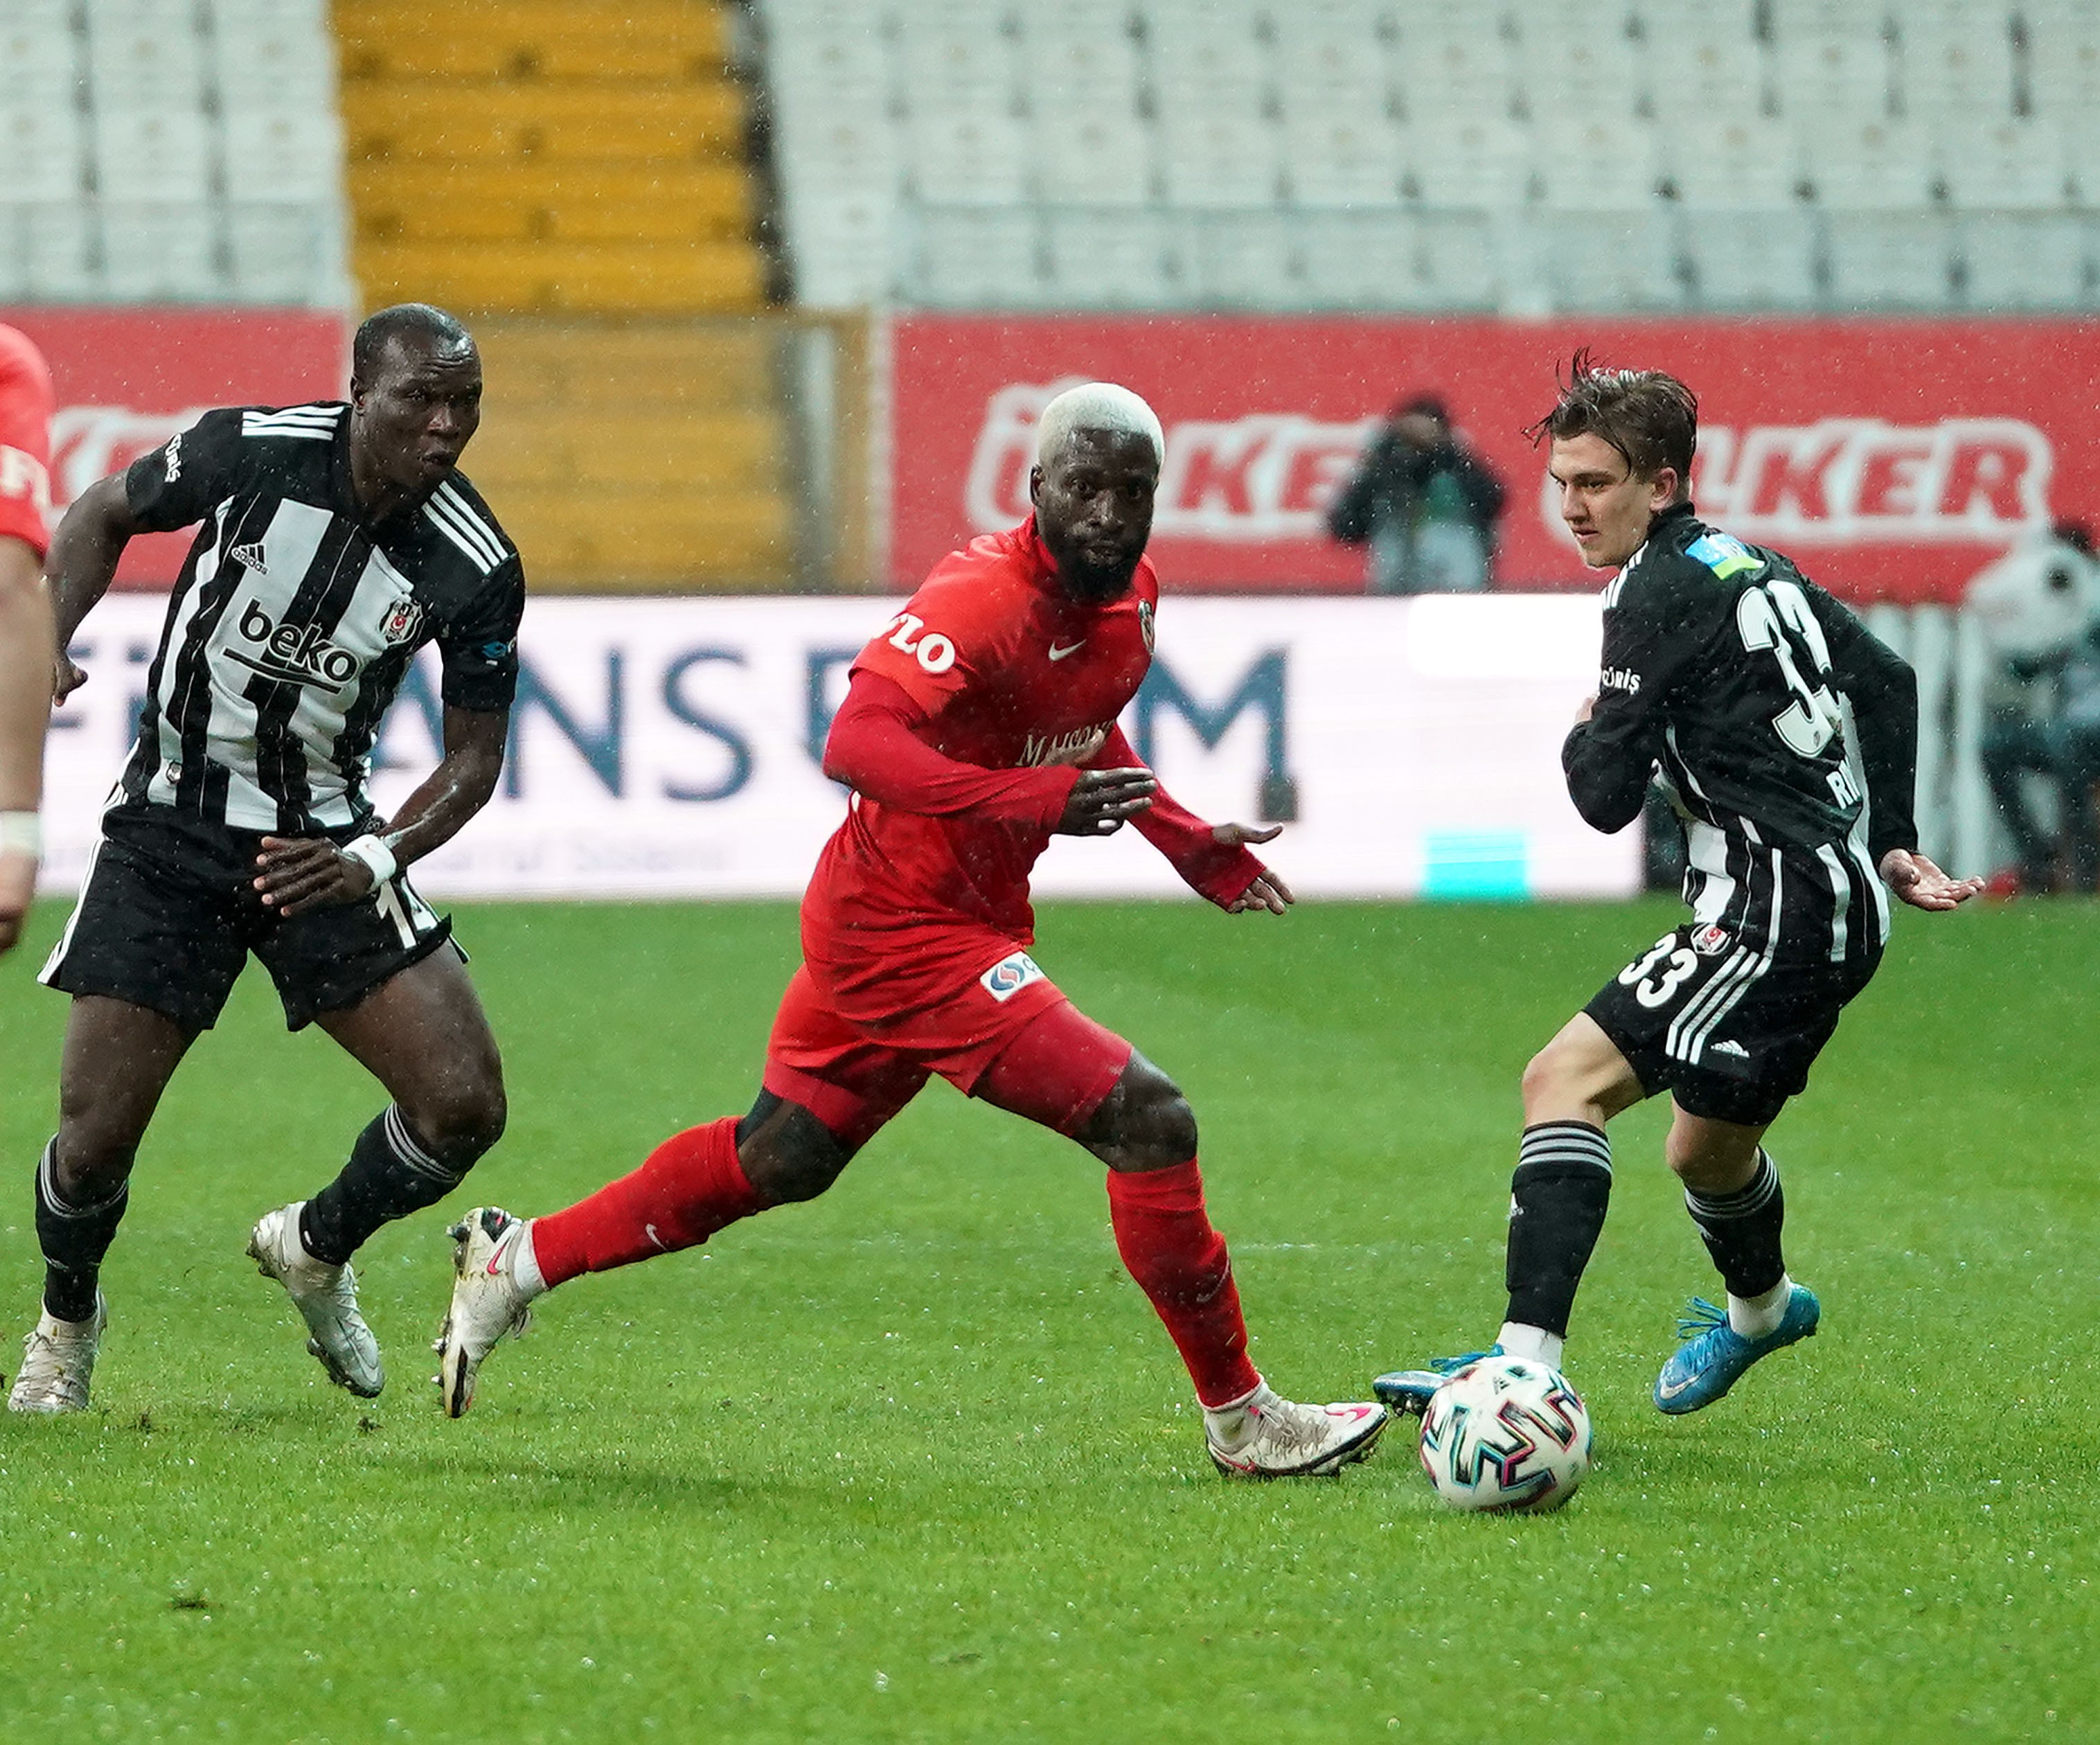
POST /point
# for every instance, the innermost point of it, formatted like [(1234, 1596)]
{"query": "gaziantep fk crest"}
[(1506, 1434), (1144, 623)]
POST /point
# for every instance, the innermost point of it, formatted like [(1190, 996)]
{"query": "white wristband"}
[(20, 834), (377, 857)]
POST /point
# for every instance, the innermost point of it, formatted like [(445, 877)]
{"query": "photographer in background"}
[(2040, 607), (1424, 503)]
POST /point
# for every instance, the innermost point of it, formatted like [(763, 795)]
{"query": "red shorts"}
[(1007, 1034)]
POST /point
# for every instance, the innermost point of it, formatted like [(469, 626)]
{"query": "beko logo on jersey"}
[(1619, 679), (297, 653)]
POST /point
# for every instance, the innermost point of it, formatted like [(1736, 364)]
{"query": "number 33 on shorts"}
[(1656, 977)]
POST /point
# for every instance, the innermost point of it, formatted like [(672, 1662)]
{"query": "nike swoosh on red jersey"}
[(1059, 654)]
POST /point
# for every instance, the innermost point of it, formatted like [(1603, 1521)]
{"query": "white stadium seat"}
[(285, 156), (1478, 163), (975, 257), (1220, 160), (1600, 164), (969, 159), (1952, 64), (1738, 162), (2023, 261), (1867, 165), (1343, 160), (144, 154), (160, 252), (1108, 259), (1748, 259), (1451, 69), (1253, 262), (1880, 259), (1612, 260), (60, 246), (1074, 72), (43, 149), (1815, 77), (1093, 161), (1324, 71), (2003, 163)]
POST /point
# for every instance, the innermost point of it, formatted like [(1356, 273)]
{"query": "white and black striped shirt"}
[(1781, 729), (295, 618)]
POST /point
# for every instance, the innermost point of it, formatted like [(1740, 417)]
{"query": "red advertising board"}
[(1892, 458), (128, 379)]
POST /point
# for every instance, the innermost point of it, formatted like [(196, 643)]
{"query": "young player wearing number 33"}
[(1785, 735)]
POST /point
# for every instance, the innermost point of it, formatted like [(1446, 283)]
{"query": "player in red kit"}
[(27, 650), (980, 722)]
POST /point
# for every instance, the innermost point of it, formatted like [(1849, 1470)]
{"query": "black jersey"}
[(1782, 731), (295, 618)]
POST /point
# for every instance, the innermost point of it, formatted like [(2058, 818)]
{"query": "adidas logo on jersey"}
[(297, 653), (1731, 1047), (250, 558)]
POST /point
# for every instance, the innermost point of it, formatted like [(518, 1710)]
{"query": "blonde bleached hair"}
[(1096, 406)]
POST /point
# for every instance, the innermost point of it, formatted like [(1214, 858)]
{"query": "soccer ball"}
[(1506, 1433)]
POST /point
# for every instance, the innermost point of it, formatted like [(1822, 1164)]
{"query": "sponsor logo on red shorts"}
[(1009, 975)]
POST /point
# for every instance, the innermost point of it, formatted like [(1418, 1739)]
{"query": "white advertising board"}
[(668, 748)]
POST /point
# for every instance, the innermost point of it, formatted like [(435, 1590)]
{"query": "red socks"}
[(690, 1187), (1165, 1239)]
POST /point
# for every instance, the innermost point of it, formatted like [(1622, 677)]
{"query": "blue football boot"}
[(1714, 1354), (1409, 1390)]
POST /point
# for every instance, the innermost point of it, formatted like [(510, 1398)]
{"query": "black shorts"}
[(169, 913), (1729, 1029)]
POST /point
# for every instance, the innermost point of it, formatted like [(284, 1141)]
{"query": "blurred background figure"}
[(1424, 503), (2039, 606)]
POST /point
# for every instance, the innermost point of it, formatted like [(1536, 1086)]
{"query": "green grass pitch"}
[(915, 1461)]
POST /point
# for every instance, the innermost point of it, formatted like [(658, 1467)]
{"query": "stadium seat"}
[(1083, 67), (1867, 165), (286, 253), (1481, 163), (1956, 63), (1748, 259), (1607, 259), (39, 50), (1345, 160), (144, 153), (1253, 262), (840, 248), (1739, 162), (1218, 160), (43, 148), (1821, 76), (2063, 62), (1603, 163), (1564, 60), (969, 158), (1332, 70), (956, 59), (1448, 70), (1108, 259), (974, 256), (1697, 74), (1885, 259), (2023, 261), (1093, 161), (59, 244), (283, 156), (1206, 59), (159, 252), (2003, 164), (156, 59)]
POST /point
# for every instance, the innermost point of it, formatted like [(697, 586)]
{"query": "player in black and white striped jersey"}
[(334, 540), (1785, 735)]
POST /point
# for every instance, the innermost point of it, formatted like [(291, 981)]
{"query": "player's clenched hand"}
[(1100, 800), (298, 874), (1921, 884), (1587, 709), (1268, 890), (18, 884)]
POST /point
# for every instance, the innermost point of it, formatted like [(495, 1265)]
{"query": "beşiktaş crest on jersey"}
[(400, 625)]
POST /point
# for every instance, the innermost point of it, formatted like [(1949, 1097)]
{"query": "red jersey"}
[(1014, 675), (26, 405)]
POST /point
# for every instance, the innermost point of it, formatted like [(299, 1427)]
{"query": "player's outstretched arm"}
[(1917, 882), (82, 564), (1213, 860), (298, 874)]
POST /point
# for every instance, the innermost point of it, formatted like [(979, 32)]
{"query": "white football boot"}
[(326, 1298), (58, 1362), (489, 1303), (1279, 1438)]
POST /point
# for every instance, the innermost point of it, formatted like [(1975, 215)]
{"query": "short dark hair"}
[(1651, 419), (404, 321)]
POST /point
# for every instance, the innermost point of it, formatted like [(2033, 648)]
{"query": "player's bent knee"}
[(786, 1153), (460, 1120), (1146, 1122)]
